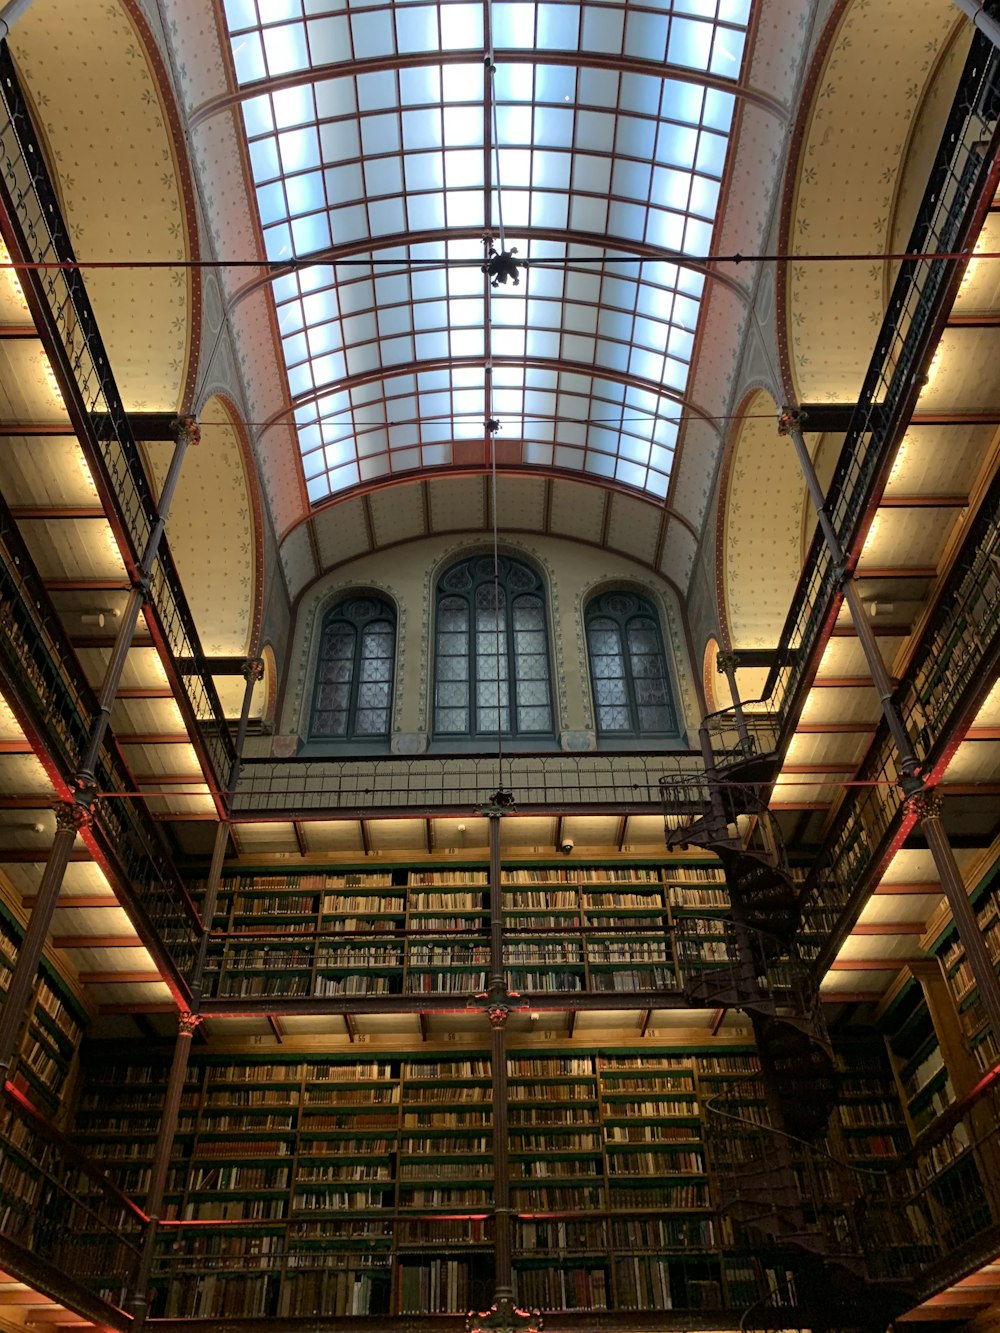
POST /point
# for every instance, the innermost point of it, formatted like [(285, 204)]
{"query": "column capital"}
[(187, 429), (925, 804), (726, 661), (253, 670), (73, 817), (789, 419), (188, 1024), (498, 1012)]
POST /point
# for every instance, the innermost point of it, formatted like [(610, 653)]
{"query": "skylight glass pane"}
[(378, 157)]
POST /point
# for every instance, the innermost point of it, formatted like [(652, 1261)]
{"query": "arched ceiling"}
[(122, 189), (213, 533), (850, 180), (391, 516)]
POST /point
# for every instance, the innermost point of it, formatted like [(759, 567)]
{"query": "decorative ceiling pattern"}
[(120, 187), (386, 139), (847, 181)]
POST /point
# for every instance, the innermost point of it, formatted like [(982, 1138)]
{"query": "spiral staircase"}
[(774, 1182)]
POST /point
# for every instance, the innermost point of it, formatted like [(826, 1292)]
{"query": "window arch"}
[(491, 662), (353, 695), (628, 669)]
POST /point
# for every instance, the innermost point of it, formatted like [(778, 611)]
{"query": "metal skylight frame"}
[(370, 132)]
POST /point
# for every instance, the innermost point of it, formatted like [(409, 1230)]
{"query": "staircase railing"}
[(95, 406)]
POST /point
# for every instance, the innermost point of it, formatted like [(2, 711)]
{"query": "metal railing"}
[(345, 787), (960, 638), (32, 208), (61, 1209), (33, 647), (952, 202)]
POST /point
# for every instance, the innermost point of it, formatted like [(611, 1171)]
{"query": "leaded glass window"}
[(353, 693), (491, 668), (628, 670)]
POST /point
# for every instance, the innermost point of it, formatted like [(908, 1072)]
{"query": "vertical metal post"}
[(925, 803), (253, 672), (988, 26), (726, 664), (76, 815), (187, 432), (70, 818), (927, 807), (498, 1012), (789, 423), (9, 15), (187, 1024)]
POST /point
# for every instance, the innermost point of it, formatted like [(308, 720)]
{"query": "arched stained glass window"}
[(353, 695), (628, 669), (491, 652)]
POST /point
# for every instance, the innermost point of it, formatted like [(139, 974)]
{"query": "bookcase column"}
[(187, 1025), (962, 1068)]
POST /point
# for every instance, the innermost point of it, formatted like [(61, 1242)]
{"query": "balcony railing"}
[(34, 650), (960, 646), (63, 1225), (95, 406), (957, 193), (618, 783)]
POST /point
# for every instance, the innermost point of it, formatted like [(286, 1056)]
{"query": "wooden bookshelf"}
[(45, 1062)]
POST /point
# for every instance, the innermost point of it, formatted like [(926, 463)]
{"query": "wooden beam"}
[(888, 928), (275, 1023), (886, 631), (118, 978), (81, 900), (848, 997), (146, 692), (119, 584), (924, 502), (63, 429), (837, 683), (836, 728), (163, 1007), (35, 513), (300, 837), (902, 890), (864, 964), (97, 942), (19, 331), (896, 572), (16, 747)]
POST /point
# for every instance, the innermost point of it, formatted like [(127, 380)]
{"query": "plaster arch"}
[(843, 186), (214, 531), (762, 502), (126, 184)]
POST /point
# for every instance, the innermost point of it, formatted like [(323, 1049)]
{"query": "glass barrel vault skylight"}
[(371, 136)]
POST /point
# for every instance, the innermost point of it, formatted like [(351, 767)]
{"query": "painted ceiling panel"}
[(634, 528), (521, 503), (457, 504), (577, 511), (397, 514), (341, 535)]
